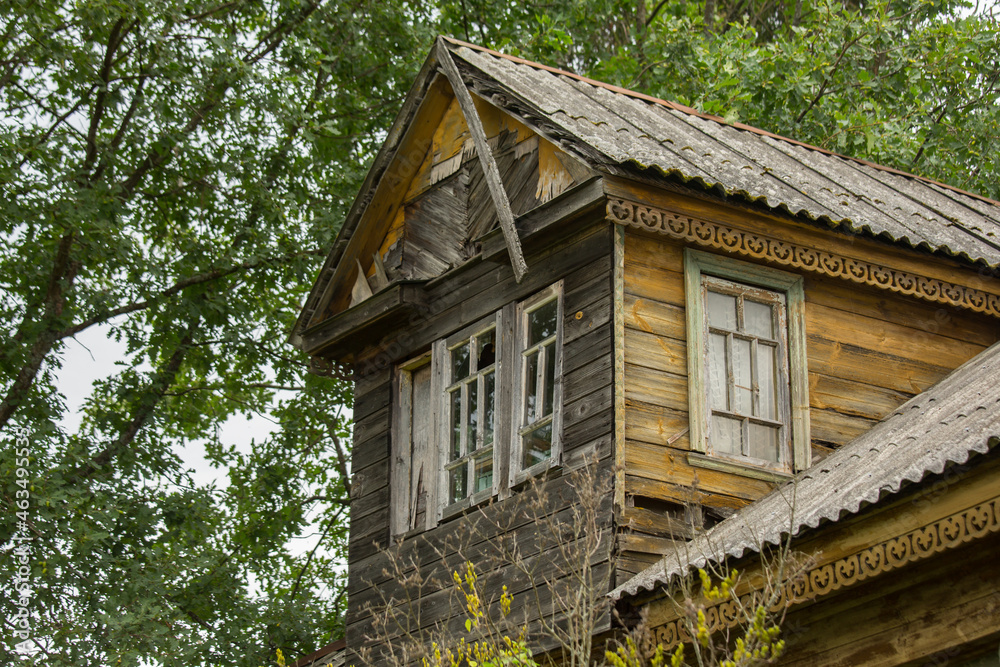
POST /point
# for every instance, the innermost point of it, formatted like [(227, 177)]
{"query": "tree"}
[(173, 172)]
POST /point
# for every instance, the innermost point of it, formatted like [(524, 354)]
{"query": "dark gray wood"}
[(333, 337), (580, 257)]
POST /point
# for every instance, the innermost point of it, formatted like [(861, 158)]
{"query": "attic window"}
[(746, 362)]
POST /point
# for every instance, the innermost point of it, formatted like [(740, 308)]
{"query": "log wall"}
[(581, 257), (868, 352)]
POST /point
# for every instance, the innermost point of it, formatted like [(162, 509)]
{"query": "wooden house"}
[(543, 271)]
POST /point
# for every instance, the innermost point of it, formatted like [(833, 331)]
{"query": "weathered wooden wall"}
[(580, 255), (868, 351)]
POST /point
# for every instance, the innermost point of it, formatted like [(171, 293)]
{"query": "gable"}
[(431, 204), (447, 206)]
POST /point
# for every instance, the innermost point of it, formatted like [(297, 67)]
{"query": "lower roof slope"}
[(948, 423)]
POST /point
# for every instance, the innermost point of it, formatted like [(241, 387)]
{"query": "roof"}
[(331, 655), (611, 127), (947, 424), (625, 133)]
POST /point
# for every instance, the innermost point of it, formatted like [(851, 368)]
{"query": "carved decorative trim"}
[(946, 533), (720, 237)]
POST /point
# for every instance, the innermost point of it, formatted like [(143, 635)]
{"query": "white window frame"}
[(794, 396), (442, 358), (520, 383)]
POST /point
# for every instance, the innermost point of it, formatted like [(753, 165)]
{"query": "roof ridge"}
[(676, 106)]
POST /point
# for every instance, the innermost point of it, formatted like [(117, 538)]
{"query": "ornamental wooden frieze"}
[(946, 533), (718, 236)]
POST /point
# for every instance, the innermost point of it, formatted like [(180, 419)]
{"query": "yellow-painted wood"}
[(553, 178), (803, 234)]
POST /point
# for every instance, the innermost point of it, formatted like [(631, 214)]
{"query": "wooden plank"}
[(485, 154), (654, 317), (675, 493), (888, 338), (587, 319), (655, 387), (618, 373), (651, 282), (924, 317), (655, 424), (653, 251), (852, 398), (836, 429), (670, 466), (654, 352), (839, 358), (655, 523), (587, 379), (587, 348)]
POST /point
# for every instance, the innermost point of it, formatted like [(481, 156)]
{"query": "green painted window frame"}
[(697, 264)]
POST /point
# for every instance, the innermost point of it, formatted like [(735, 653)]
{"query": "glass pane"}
[(484, 473), (489, 407), (486, 349), (530, 388), (764, 442), (457, 482), (456, 423), (742, 377), (473, 423), (766, 381), (537, 445), (460, 362), (550, 379), (757, 319), (721, 310), (542, 322), (717, 383), (727, 435)]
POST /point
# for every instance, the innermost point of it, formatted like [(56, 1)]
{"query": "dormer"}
[(543, 271)]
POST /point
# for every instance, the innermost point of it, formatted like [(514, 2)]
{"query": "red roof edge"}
[(338, 645)]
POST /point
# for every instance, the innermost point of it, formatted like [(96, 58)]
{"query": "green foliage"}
[(172, 174)]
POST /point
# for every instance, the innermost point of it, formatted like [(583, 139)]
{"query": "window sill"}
[(699, 460), (473, 501), (549, 467)]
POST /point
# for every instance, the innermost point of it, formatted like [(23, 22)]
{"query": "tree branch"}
[(156, 391)]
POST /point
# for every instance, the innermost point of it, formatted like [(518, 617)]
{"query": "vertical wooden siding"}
[(868, 352)]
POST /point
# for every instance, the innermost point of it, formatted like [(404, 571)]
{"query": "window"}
[(747, 373), (412, 444), (479, 414), (538, 395), (470, 400)]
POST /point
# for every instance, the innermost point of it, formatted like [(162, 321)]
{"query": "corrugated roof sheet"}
[(632, 130), (945, 425)]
